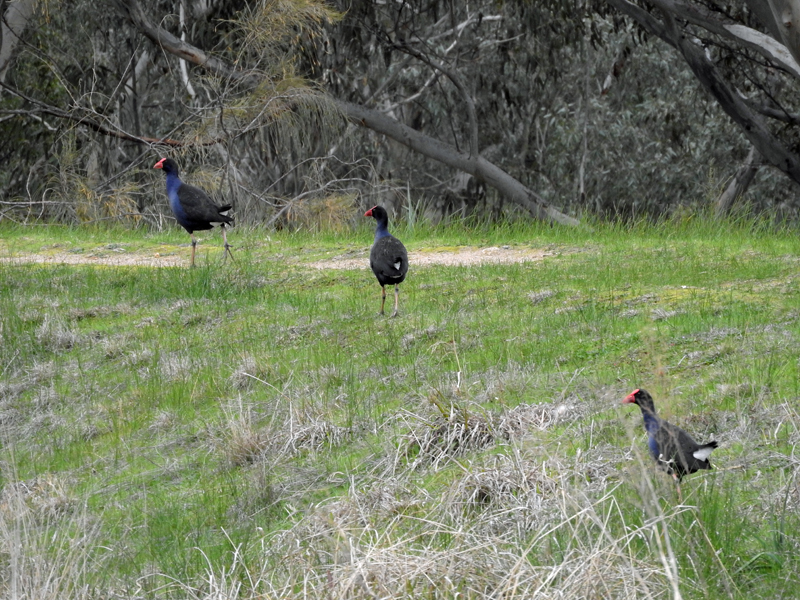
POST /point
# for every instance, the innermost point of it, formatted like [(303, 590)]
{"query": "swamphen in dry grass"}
[(673, 449), (388, 258), (192, 207)]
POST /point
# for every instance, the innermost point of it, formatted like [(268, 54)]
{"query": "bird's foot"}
[(227, 253)]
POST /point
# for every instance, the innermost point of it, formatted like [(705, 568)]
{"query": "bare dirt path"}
[(120, 257), (458, 256), (110, 258)]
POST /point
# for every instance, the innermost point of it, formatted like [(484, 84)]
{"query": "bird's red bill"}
[(630, 398), (368, 213), (159, 164)]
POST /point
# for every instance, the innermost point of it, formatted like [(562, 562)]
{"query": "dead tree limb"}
[(428, 146)]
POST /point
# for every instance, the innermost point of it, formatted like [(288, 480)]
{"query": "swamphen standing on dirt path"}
[(388, 258), (671, 446), (192, 207)]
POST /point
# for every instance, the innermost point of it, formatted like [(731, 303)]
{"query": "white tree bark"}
[(184, 65), (751, 122), (787, 17), (15, 19)]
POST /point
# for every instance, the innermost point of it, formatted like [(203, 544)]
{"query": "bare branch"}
[(770, 147), (444, 153), (90, 122), (174, 45), (472, 115), (426, 145), (748, 37)]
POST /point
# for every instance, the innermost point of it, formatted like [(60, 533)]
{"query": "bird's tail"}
[(225, 219), (704, 451)]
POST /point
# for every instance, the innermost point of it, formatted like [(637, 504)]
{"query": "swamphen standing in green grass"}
[(192, 207), (388, 258), (673, 449)]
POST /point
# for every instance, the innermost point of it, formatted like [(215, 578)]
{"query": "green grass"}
[(256, 429)]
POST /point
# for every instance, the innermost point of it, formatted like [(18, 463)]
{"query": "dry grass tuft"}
[(248, 373), (53, 334), (325, 213), (318, 435), (342, 550), (177, 366), (451, 430), (243, 442), (503, 483), (41, 498), (50, 549), (518, 421), (540, 296), (446, 434)]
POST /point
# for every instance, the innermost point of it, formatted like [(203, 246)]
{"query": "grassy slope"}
[(154, 420)]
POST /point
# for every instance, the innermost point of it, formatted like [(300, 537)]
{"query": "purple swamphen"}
[(673, 449), (388, 258), (192, 207)]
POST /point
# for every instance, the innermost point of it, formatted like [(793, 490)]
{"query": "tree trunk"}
[(739, 184), (437, 150), (772, 150), (428, 146), (15, 19), (787, 18)]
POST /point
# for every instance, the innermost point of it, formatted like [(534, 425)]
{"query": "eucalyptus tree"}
[(260, 25), (745, 54), (474, 106), (125, 78)]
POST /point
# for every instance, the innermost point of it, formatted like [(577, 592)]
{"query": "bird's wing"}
[(389, 257), (197, 204), (672, 439), (397, 256)]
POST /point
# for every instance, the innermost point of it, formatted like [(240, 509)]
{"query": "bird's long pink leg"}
[(194, 246), (227, 245), (383, 298), (396, 298)]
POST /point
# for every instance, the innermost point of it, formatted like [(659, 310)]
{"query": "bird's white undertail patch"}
[(703, 453)]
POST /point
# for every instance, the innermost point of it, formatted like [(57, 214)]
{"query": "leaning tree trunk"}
[(15, 17), (478, 167), (739, 184), (772, 150), (472, 163)]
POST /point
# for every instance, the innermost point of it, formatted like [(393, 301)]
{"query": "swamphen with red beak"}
[(673, 448), (388, 258), (192, 207)]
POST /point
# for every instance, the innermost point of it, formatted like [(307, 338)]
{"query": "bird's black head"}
[(169, 165), (640, 397), (378, 213)]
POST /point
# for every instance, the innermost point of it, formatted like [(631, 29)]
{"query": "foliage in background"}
[(651, 143)]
